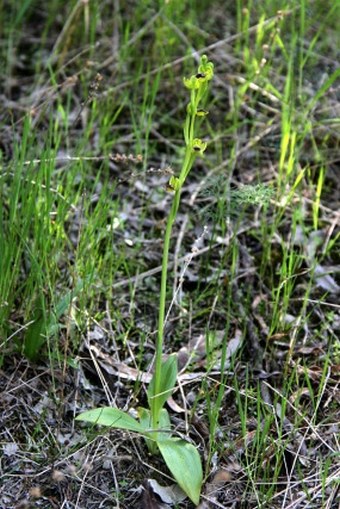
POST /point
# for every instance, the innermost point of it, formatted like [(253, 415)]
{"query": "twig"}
[(158, 269)]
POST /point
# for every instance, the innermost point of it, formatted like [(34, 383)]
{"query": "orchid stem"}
[(194, 147)]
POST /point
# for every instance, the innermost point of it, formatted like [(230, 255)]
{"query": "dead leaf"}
[(309, 350), (168, 494), (10, 448), (234, 344), (221, 477), (324, 280), (175, 406), (193, 351), (149, 501)]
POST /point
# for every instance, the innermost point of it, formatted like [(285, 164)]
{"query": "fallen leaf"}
[(324, 280), (10, 448), (221, 477), (149, 500), (168, 494)]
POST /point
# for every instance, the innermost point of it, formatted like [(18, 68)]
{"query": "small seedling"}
[(181, 457)]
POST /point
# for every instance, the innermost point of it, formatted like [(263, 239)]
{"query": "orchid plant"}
[(153, 423)]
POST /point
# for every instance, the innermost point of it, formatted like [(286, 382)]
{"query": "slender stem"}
[(187, 163), (189, 158), (162, 302)]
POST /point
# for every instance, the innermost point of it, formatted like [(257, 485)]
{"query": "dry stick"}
[(111, 157), (146, 28), (312, 301), (256, 88), (296, 503), (102, 379), (163, 139), (93, 88), (174, 62), (334, 493), (111, 331), (22, 327), (158, 269), (249, 145), (68, 24), (307, 480), (89, 461), (192, 200), (303, 417), (222, 242), (199, 52), (334, 223), (188, 258), (305, 434), (177, 250)]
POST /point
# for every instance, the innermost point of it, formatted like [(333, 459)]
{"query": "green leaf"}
[(184, 462), (167, 383), (108, 416)]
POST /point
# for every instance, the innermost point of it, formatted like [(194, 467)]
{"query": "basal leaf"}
[(183, 461), (145, 421), (168, 381), (108, 416), (164, 424), (144, 418)]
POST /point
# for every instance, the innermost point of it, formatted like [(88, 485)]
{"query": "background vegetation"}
[(91, 123)]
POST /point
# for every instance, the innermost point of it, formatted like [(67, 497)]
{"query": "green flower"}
[(192, 83), (206, 67), (199, 146), (202, 113), (205, 73), (173, 184)]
